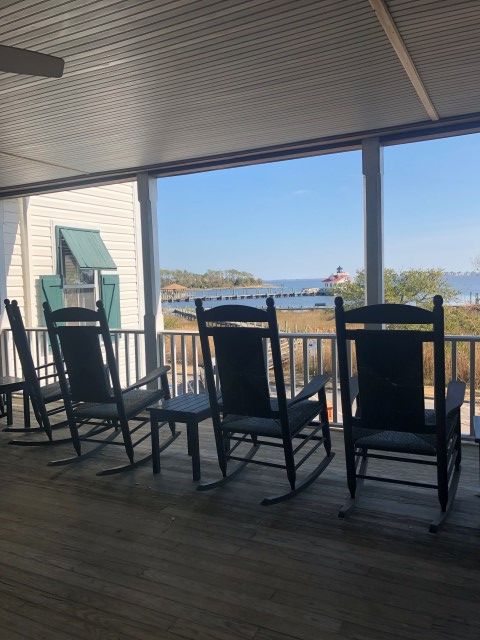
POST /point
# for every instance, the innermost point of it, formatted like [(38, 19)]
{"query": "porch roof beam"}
[(388, 25)]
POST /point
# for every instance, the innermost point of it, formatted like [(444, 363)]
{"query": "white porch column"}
[(153, 319), (372, 167)]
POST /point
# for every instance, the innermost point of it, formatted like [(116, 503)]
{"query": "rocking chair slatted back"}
[(240, 359), (20, 340), (390, 366), (241, 367), (77, 350), (390, 378), (85, 366)]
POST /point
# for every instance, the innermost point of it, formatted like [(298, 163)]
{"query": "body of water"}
[(468, 287)]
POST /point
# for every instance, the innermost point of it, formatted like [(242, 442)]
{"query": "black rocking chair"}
[(92, 393), (245, 413), (39, 396), (390, 421)]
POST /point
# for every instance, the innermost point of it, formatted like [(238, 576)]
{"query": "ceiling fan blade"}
[(31, 63)]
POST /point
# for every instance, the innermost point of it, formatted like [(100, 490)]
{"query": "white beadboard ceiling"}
[(154, 82)]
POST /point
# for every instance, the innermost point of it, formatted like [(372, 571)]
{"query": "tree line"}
[(411, 286), (211, 279)]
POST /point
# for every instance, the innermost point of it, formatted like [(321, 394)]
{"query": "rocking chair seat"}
[(299, 414), (399, 441), (51, 392), (135, 401), (424, 444)]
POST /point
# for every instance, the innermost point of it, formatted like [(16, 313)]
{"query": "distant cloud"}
[(302, 192)]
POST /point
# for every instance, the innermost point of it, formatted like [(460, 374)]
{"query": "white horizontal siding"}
[(11, 272), (110, 209)]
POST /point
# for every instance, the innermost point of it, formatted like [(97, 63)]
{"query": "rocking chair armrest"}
[(455, 397), (316, 384), (150, 377)]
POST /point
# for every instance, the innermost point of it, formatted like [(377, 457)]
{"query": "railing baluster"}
[(6, 363), (2, 357), (319, 356), (183, 345), (334, 379), (37, 349), (126, 342), (454, 359), (266, 358), (46, 355), (14, 352), (196, 386), (173, 363), (116, 345), (350, 352), (472, 386), (138, 374), (161, 349), (293, 383), (306, 376)]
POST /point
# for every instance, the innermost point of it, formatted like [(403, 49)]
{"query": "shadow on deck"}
[(137, 557)]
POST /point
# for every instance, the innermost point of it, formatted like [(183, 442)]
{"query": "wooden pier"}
[(184, 296)]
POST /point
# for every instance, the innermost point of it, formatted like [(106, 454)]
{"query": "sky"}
[(303, 218)]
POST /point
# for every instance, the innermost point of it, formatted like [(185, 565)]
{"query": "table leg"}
[(9, 409), (192, 431), (155, 445)]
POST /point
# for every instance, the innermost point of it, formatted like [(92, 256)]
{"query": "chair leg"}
[(155, 440), (75, 436), (327, 441), (459, 446), (351, 472), (291, 472), (192, 429), (350, 503), (442, 482), (441, 516), (127, 439), (8, 402), (221, 455), (26, 409)]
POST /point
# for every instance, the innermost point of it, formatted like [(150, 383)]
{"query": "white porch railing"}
[(304, 354)]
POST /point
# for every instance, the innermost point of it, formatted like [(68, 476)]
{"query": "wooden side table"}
[(8, 385), (189, 408)]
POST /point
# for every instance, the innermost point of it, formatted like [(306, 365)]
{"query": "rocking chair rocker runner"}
[(39, 396), (391, 422), (245, 412), (92, 393)]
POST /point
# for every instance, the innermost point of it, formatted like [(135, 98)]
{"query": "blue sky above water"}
[(302, 218)]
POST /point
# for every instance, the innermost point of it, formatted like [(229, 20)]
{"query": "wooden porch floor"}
[(136, 557)]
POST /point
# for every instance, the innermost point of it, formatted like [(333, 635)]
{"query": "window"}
[(79, 284), (80, 281)]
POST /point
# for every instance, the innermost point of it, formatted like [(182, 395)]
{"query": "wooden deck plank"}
[(139, 557)]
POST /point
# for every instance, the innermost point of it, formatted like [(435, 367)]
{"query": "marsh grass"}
[(458, 321)]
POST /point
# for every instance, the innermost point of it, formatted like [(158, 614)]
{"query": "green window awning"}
[(88, 248)]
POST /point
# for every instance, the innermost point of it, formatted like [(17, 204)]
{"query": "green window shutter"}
[(110, 294), (51, 291)]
